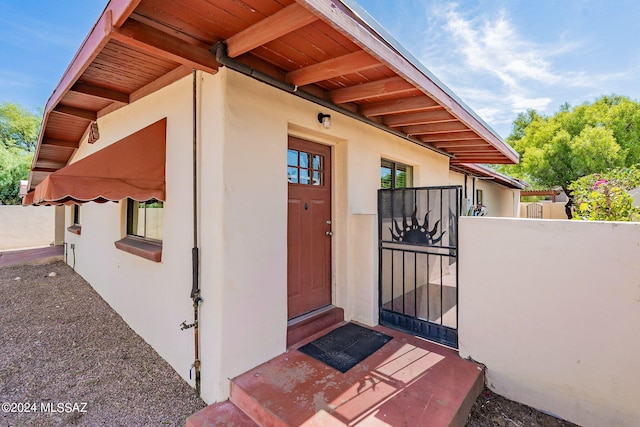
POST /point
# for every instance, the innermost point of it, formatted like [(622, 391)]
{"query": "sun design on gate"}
[(414, 232)]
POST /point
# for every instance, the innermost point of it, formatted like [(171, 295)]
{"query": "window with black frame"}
[(75, 227), (145, 219), (394, 175)]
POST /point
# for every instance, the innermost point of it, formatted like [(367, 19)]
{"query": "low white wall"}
[(26, 227), (552, 308)]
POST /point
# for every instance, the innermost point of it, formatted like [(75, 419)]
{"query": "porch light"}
[(325, 119)]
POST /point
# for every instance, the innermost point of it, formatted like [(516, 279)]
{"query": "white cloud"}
[(494, 68)]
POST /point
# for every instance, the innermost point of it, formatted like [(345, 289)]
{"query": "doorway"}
[(309, 227)]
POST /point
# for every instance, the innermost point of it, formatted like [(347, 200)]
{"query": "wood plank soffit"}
[(346, 64), (397, 106), (270, 28), (163, 45), (348, 23)]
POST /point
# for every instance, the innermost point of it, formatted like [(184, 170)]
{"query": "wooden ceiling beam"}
[(47, 170), (48, 164), (468, 143), (390, 86), (419, 118), (100, 92), (61, 143), (398, 106), (435, 128), (472, 158), (76, 112), (485, 149), (455, 136), (270, 28), (346, 64), (163, 45)]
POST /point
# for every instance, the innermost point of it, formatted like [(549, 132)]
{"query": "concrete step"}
[(408, 382), (309, 324), (224, 414)]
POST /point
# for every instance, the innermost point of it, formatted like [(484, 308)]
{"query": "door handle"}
[(329, 233)]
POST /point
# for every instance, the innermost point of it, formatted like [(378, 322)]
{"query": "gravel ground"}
[(491, 409), (63, 344)]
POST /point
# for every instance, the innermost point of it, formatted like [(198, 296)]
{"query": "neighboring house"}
[(552, 206), (267, 159)]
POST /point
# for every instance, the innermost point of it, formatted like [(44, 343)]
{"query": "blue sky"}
[(500, 56)]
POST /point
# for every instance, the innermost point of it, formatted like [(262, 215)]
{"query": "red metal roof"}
[(329, 48)]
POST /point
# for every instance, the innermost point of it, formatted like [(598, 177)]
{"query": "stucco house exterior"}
[(220, 165)]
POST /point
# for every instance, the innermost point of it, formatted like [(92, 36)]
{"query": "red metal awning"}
[(133, 167)]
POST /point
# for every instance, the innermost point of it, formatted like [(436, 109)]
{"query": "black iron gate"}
[(418, 268)]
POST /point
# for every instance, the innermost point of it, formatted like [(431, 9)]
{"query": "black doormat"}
[(345, 347)]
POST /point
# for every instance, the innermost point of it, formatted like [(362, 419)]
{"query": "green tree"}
[(18, 126), (14, 166), (590, 138), (18, 138)]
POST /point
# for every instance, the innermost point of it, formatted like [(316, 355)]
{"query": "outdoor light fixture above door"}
[(325, 119)]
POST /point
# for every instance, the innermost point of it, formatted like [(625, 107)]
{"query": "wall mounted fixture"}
[(325, 119), (94, 133)]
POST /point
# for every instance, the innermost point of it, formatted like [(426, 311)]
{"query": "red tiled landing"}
[(408, 382), (224, 414)]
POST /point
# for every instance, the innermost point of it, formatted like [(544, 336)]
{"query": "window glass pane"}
[(401, 177), (292, 158), (317, 178), (304, 160), (76, 214), (317, 162), (385, 177), (154, 215), (304, 176), (139, 224), (292, 175), (145, 219)]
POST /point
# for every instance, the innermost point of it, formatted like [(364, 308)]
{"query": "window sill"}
[(142, 248), (75, 229)]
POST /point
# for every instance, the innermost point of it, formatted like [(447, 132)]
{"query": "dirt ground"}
[(67, 359), (63, 344), (491, 409)]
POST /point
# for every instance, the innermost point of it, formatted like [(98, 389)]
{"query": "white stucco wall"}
[(153, 298), (249, 215), (26, 226), (243, 135), (552, 308)]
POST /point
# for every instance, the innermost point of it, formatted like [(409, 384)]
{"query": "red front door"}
[(309, 230)]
